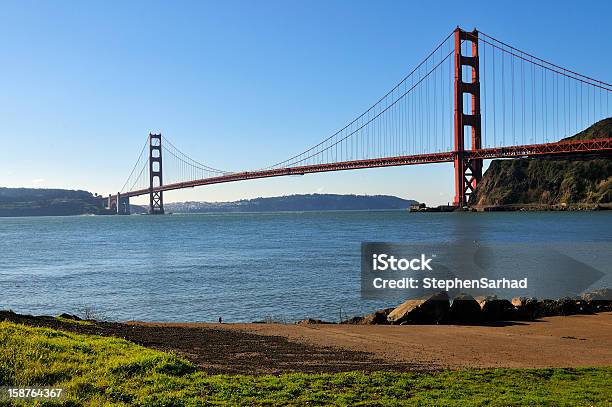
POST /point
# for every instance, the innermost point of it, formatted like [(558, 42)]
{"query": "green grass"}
[(74, 321), (99, 370)]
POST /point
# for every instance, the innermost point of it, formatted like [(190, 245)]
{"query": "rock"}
[(311, 321), (431, 310), (583, 307), (465, 309), (525, 308), (7, 315), (571, 306), (495, 309), (548, 308), (566, 306), (597, 306), (377, 318), (605, 294), (353, 321), (599, 300)]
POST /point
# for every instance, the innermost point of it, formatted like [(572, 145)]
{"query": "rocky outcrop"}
[(430, 310), (466, 309), (549, 183)]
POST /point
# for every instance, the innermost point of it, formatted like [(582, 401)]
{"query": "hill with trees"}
[(544, 183)]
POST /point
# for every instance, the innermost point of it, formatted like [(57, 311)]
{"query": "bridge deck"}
[(582, 147)]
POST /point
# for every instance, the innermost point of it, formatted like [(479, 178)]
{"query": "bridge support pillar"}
[(156, 198), (123, 204), (468, 172), (119, 204), (112, 203)]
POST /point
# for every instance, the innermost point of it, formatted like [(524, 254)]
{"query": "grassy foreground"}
[(99, 370)]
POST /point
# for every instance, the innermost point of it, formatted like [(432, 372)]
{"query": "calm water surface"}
[(242, 267)]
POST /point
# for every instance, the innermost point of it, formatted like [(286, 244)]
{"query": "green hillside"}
[(548, 182), (49, 202)]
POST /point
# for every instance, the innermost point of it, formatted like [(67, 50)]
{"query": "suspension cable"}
[(367, 111)]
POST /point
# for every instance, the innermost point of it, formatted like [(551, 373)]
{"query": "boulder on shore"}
[(525, 308), (431, 310), (599, 300), (311, 321), (604, 294), (495, 309), (377, 318), (548, 308), (465, 308), (353, 321), (572, 306)]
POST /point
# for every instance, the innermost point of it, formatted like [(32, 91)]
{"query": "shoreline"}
[(475, 208), (578, 207)]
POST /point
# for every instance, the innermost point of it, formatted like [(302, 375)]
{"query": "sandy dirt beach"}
[(570, 341)]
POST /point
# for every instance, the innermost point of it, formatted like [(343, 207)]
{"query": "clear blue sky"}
[(239, 85)]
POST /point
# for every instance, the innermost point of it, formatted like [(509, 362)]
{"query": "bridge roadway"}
[(563, 148)]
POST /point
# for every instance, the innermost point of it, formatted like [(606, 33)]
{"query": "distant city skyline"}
[(239, 85)]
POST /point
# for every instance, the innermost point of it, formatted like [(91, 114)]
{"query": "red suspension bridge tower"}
[(468, 171), (156, 198)]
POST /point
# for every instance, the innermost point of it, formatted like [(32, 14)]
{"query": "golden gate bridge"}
[(472, 98)]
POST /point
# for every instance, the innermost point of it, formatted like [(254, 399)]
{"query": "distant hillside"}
[(549, 182), (48, 202), (314, 202)]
